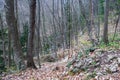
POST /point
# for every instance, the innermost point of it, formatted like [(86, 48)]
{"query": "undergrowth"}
[(113, 44)]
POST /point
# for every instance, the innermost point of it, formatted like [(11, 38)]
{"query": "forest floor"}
[(59, 71)]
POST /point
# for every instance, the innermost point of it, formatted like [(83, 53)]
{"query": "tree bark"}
[(9, 49), (82, 9), (106, 14), (12, 26), (39, 45), (3, 40), (30, 61)]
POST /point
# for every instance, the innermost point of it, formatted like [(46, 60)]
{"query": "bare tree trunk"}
[(92, 26), (62, 24), (39, 45), (12, 26), (116, 25), (82, 9), (68, 23), (9, 49), (91, 16), (54, 29), (105, 32), (97, 22), (16, 15), (3, 40), (75, 20), (44, 40), (30, 61)]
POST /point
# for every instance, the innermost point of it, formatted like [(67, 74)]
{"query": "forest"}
[(59, 39)]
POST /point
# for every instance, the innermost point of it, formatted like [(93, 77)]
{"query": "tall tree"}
[(68, 23), (106, 14), (2, 37), (16, 15), (87, 21), (54, 27), (30, 61), (12, 26), (62, 24), (39, 45), (9, 48)]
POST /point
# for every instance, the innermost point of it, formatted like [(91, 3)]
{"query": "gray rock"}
[(111, 57), (71, 62), (97, 64), (77, 60), (111, 51), (99, 73), (118, 60), (113, 67), (75, 70), (97, 59), (78, 65), (71, 68), (98, 53), (88, 61)]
